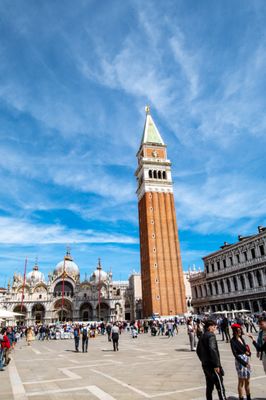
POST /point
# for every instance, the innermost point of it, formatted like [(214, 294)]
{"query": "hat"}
[(236, 326)]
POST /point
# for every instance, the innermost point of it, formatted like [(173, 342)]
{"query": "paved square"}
[(146, 367)]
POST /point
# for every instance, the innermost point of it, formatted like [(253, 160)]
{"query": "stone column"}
[(239, 284), (246, 281)]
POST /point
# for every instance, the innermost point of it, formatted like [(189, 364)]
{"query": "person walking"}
[(109, 330), (76, 337), (208, 353), (260, 344), (115, 336), (191, 334), (29, 335), (85, 338), (241, 353)]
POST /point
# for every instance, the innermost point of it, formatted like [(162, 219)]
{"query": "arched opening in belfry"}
[(159, 175), (164, 175), (155, 174), (150, 173)]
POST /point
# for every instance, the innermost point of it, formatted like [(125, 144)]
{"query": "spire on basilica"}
[(36, 267), (68, 254), (99, 266)]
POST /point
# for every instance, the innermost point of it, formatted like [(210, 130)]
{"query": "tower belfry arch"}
[(163, 288)]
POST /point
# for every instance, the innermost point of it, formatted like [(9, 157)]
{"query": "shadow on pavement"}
[(183, 350), (73, 351), (253, 398)]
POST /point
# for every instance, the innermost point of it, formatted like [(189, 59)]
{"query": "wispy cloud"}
[(72, 95), (21, 232)]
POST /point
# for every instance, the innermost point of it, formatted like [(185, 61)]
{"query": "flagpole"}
[(99, 291), (24, 282), (63, 289)]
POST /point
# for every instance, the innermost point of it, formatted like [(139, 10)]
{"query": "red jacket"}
[(5, 343)]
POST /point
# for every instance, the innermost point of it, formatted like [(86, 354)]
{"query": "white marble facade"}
[(96, 298)]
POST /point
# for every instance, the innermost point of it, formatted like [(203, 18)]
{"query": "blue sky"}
[(74, 81)]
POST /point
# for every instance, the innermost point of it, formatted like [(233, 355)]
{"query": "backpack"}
[(84, 333), (76, 333)]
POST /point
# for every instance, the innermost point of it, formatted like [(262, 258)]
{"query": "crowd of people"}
[(201, 334)]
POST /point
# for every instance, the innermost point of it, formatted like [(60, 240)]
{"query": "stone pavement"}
[(143, 368)]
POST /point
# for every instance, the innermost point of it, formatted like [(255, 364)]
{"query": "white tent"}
[(221, 312), (8, 314)]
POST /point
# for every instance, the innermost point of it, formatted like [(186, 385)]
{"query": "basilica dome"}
[(35, 276), (99, 275), (68, 264)]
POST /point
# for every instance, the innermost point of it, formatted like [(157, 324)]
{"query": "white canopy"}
[(9, 314), (221, 312)]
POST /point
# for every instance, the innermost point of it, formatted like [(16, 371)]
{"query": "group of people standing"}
[(208, 353), (83, 332)]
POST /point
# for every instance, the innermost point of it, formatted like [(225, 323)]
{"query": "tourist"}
[(115, 336), (11, 338), (241, 353), (29, 335), (76, 337), (208, 353), (191, 334), (109, 330), (199, 328), (85, 338), (170, 328), (260, 344), (1, 353), (225, 329), (5, 349)]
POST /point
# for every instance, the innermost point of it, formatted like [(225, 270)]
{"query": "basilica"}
[(64, 297)]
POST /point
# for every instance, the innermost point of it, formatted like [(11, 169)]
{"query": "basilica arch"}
[(64, 313), (68, 289), (21, 310), (103, 311), (38, 313), (86, 312)]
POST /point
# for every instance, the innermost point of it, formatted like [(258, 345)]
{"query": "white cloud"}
[(21, 232)]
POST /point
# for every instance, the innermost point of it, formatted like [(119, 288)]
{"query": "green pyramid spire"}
[(150, 132)]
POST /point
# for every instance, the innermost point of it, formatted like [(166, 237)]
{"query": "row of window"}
[(154, 174), (228, 285), (236, 259)]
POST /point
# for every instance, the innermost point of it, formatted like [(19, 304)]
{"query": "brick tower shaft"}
[(163, 290)]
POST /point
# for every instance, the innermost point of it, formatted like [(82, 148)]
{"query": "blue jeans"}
[(1, 358)]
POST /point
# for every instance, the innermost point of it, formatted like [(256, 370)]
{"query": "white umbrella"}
[(8, 314), (221, 312)]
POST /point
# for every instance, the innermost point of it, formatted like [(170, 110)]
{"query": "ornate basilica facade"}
[(64, 297)]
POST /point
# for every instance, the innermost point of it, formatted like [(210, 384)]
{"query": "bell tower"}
[(163, 290)]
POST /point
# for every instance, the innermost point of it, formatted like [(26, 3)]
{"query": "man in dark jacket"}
[(208, 353)]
